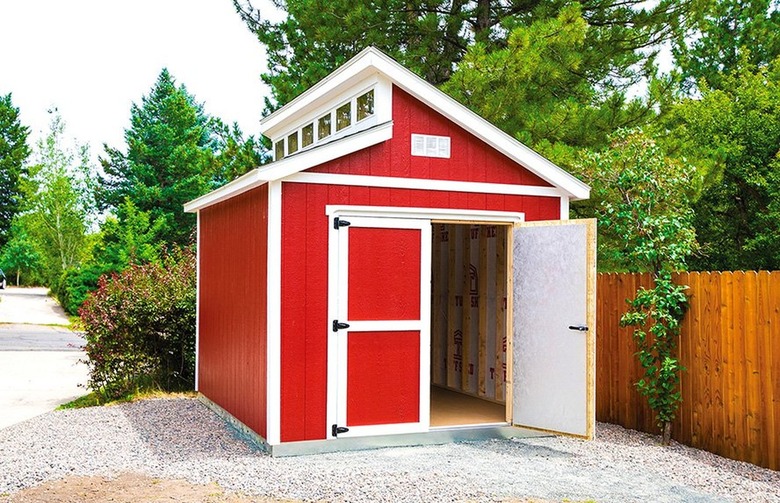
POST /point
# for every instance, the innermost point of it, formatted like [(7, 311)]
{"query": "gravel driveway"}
[(180, 438)]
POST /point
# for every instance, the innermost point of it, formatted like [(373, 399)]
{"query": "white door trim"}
[(338, 252)]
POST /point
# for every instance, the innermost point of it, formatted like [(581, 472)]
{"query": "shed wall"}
[(232, 316), (470, 158), (304, 329)]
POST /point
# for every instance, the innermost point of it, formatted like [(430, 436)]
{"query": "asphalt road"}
[(41, 363)]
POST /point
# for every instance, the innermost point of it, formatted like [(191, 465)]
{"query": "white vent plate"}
[(424, 145)]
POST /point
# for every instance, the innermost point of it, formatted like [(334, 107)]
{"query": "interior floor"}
[(450, 408)]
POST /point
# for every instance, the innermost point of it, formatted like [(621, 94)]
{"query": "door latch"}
[(336, 429), (339, 326), (579, 328)]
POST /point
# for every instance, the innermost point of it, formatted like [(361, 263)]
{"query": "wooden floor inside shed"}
[(450, 408)]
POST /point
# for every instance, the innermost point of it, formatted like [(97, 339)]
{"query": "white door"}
[(380, 331), (554, 322)]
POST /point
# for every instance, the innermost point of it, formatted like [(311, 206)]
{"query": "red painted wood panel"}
[(471, 159), (384, 274), (305, 284), (232, 312), (383, 378)]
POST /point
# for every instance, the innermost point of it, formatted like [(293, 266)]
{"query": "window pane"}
[(343, 116), (365, 105), (323, 127), (279, 150), (307, 135), (292, 143)]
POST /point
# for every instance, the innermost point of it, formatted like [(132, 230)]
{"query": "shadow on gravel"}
[(527, 448), (182, 429)]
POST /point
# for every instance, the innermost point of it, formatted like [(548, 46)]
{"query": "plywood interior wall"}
[(469, 309)]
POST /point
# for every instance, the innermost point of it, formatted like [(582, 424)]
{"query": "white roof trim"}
[(372, 60), (294, 164)]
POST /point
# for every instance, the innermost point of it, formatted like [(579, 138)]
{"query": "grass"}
[(95, 399)]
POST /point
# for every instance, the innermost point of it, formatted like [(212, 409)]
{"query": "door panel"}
[(384, 274), (375, 394), (382, 355), (554, 280)]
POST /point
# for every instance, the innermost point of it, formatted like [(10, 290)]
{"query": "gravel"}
[(181, 438)]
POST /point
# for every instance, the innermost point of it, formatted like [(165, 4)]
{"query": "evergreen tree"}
[(13, 155), (175, 152), (726, 33), (431, 36)]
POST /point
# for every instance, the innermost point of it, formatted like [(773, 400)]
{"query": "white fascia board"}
[(293, 164), (240, 185)]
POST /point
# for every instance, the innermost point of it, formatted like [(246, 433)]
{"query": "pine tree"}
[(13, 154)]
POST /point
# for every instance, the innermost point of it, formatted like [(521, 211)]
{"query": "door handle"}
[(339, 326), (579, 328)]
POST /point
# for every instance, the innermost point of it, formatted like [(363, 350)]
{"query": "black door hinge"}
[(336, 429), (337, 222), (339, 326)]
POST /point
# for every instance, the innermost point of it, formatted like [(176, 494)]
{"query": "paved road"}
[(40, 357)]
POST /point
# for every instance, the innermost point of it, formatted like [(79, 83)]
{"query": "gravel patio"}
[(180, 438)]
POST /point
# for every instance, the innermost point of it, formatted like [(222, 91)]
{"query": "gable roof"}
[(368, 62)]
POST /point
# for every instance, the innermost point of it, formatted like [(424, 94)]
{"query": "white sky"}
[(93, 58)]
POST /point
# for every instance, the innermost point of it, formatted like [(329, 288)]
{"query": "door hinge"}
[(337, 222), (336, 429), (339, 326)]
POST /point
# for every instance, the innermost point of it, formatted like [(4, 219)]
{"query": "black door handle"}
[(579, 328)]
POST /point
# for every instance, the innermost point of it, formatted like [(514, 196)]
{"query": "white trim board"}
[(274, 315), (431, 214), (395, 182)]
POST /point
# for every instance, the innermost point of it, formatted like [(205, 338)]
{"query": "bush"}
[(74, 286), (140, 328)]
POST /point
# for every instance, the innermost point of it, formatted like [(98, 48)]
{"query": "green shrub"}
[(140, 328)]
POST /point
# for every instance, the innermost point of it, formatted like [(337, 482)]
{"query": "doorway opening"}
[(469, 325)]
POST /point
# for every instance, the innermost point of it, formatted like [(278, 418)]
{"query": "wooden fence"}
[(730, 346)]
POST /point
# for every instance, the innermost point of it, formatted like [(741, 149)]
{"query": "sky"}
[(91, 59)]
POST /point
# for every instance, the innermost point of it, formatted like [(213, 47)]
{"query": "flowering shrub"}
[(140, 328)]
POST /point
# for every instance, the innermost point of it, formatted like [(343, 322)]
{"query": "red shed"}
[(403, 272)]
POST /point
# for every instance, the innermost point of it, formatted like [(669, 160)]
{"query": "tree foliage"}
[(20, 255), (725, 35), (735, 132), (431, 36), (646, 218), (537, 88), (58, 202), (175, 153), (13, 155)]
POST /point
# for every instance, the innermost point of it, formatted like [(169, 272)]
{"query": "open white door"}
[(554, 322)]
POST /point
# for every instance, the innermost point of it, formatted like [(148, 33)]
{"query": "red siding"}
[(232, 316), (305, 282), (471, 159)]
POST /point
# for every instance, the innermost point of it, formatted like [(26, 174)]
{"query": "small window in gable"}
[(279, 150), (323, 127), (344, 116), (307, 135), (365, 105), (292, 143)]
